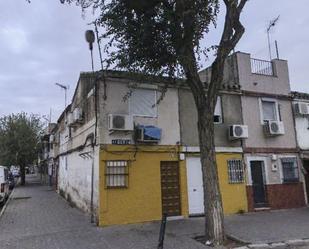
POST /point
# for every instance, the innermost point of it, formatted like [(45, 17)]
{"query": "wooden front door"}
[(258, 186), (170, 189)]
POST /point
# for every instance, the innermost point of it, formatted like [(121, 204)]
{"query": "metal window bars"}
[(290, 169), (235, 171), (116, 174)]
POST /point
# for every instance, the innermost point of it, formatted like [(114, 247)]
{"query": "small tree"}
[(19, 140), (163, 37)]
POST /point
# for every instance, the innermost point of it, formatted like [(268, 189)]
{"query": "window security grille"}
[(289, 169), (116, 174), (235, 171)]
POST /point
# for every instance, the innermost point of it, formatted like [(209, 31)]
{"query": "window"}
[(235, 171), (218, 112), (143, 103), (270, 110), (289, 169), (116, 174)]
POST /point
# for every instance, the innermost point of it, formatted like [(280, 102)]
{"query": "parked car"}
[(4, 184)]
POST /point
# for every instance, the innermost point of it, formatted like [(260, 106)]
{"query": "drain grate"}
[(21, 197)]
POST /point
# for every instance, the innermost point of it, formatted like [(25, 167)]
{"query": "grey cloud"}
[(43, 42)]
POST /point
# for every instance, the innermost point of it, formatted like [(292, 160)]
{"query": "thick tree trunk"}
[(205, 102), (22, 175), (214, 223)]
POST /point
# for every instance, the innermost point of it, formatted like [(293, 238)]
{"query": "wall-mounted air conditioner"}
[(301, 108), (273, 128), (238, 132), (119, 122), (148, 134), (77, 115)]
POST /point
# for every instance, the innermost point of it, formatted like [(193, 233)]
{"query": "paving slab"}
[(269, 226), (37, 217)]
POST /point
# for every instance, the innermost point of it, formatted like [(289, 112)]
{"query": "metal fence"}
[(262, 67)]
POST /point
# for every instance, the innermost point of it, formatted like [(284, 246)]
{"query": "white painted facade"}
[(75, 178), (302, 127), (166, 118)]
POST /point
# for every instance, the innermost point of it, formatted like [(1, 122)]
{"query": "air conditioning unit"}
[(119, 122), (301, 108), (273, 128), (140, 136), (77, 115), (238, 132)]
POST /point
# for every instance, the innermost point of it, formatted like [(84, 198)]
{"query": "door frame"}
[(265, 168), (188, 158)]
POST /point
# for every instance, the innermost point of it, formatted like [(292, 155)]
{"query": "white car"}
[(4, 184)]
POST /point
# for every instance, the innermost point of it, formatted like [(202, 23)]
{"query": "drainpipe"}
[(92, 186)]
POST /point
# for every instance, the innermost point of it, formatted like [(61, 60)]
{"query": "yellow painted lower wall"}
[(234, 196), (141, 200)]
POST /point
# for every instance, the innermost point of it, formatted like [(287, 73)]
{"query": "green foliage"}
[(150, 36), (19, 139)]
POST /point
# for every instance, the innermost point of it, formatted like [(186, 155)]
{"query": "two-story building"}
[(270, 151), (228, 144), (118, 149)]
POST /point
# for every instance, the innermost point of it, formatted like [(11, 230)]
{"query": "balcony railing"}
[(262, 67)]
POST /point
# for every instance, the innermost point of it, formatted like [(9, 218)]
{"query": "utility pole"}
[(90, 38)]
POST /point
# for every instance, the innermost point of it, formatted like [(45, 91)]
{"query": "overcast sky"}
[(43, 42)]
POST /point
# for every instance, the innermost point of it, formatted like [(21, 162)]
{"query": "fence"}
[(262, 67)]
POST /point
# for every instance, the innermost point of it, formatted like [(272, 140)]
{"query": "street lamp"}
[(90, 38)]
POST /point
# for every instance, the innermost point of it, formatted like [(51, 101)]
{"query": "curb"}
[(7, 203), (277, 245)]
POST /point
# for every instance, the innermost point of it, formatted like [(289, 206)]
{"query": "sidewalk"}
[(37, 218), (269, 227)]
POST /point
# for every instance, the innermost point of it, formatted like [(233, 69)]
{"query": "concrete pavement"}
[(38, 218), (270, 226)]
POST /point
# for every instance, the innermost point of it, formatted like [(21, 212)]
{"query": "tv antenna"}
[(270, 26)]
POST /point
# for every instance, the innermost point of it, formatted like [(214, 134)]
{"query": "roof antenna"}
[(272, 24)]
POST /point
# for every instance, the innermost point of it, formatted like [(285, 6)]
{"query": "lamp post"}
[(90, 38)]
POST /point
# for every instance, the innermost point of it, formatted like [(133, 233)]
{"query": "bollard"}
[(162, 231)]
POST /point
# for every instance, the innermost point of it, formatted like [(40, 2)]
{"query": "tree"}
[(19, 140), (163, 37)]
